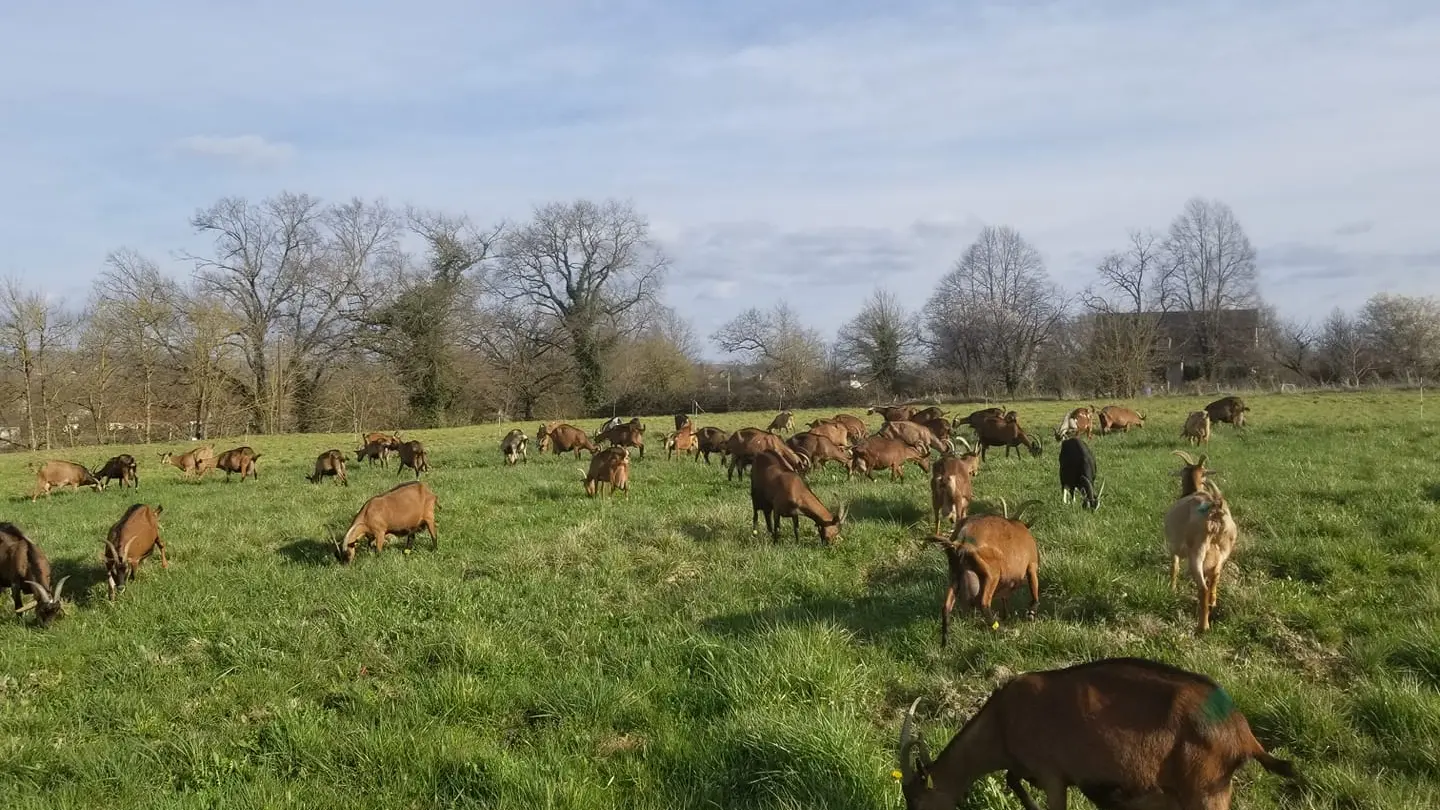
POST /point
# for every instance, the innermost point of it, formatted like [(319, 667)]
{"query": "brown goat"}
[(835, 431), (950, 486), (120, 468), (855, 428), (746, 443), (1076, 423), (1006, 433), (1196, 430), (133, 538), (1228, 410), (817, 450), (563, 438), (630, 434), (609, 466), (783, 421), (239, 460), (373, 452), (989, 556), (886, 453), (390, 441), (1193, 474), (25, 569), (915, 434), (413, 455), (682, 441), (682, 420), (55, 473), (1200, 529), (515, 447), (779, 492), (711, 440), (928, 415), (976, 417), (403, 511), (1114, 417), (197, 461), (1129, 733), (892, 413), (330, 463)]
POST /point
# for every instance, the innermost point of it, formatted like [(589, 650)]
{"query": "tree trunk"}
[(587, 363), (149, 399), (30, 406)]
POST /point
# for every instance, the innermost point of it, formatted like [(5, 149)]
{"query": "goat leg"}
[(1017, 786)]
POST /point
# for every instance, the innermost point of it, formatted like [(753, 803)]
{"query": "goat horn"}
[(1184, 456), (1201, 462), (1004, 508), (907, 742), (39, 590), (34, 603), (963, 441), (59, 586)]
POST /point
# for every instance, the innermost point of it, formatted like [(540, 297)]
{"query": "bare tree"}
[(524, 348), (587, 264), (1344, 350), (993, 312), (1404, 331), (139, 308), (1127, 274), (1209, 268), (1120, 334), (200, 350), (880, 340), (1290, 344), (34, 331), (789, 353)]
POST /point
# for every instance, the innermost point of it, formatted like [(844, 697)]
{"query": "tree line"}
[(305, 315)]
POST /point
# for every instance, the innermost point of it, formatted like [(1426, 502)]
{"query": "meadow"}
[(649, 652)]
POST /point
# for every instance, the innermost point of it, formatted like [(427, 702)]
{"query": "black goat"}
[(1077, 472)]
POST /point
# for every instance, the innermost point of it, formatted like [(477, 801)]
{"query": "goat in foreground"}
[(24, 568), (989, 556), (779, 492), (403, 511), (1077, 473), (133, 538), (1200, 530), (609, 466), (950, 485), (1129, 733)]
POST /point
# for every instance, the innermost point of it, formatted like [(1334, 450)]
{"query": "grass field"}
[(648, 652)]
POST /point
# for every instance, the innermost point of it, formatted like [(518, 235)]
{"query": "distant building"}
[(1191, 344)]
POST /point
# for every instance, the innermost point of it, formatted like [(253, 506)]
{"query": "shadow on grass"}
[(898, 508), (84, 574), (307, 551), (1433, 493)]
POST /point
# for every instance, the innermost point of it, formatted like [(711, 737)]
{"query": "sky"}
[(803, 150)]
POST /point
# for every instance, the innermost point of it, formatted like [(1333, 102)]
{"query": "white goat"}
[(1200, 529)]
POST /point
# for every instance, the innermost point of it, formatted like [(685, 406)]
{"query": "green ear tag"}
[(929, 782), (1203, 508)]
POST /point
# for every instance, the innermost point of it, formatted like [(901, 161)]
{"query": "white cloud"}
[(244, 149)]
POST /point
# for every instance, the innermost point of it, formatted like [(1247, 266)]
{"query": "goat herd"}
[(1126, 732)]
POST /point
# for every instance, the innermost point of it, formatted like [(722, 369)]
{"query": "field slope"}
[(558, 652)]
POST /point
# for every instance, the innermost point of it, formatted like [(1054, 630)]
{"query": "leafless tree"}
[(993, 312), (139, 307), (34, 332), (789, 353), (1405, 330), (587, 264), (1127, 274), (1120, 335), (1290, 344), (525, 349), (1208, 269), (1344, 350), (881, 340)]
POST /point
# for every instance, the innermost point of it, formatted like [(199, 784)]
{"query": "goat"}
[(746, 443), (133, 538), (1127, 732), (403, 511), (1197, 428), (1075, 423), (682, 441), (120, 468), (56, 473), (682, 420), (197, 461), (515, 446), (389, 440), (1193, 474), (25, 569), (711, 440), (629, 434), (817, 449), (855, 429), (927, 415), (1114, 417), (836, 432), (887, 453), (1228, 409), (1200, 529), (612, 422), (609, 466), (1077, 473), (976, 417), (1006, 433), (989, 556), (413, 455), (373, 452), (915, 434), (240, 460), (891, 413), (778, 491), (330, 463), (950, 485), (562, 438), (783, 421)]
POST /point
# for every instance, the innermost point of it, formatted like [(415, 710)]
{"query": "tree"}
[(880, 340), (991, 314), (1209, 268), (789, 353), (586, 264), (655, 370), (1343, 349), (1289, 344), (33, 330), (137, 306), (1404, 331), (1121, 335)]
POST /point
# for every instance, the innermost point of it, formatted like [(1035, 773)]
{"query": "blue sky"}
[(806, 150)]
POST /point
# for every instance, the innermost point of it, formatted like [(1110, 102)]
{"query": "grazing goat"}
[(1114, 417), (240, 460), (927, 415), (916, 434), (563, 438), (1129, 733), (402, 511), (373, 452), (120, 468), (855, 429), (1228, 409), (1006, 433), (989, 556), (197, 461), (629, 434), (55, 473), (950, 485), (25, 569), (836, 432), (817, 450), (682, 441), (1193, 474), (413, 455), (892, 413), (133, 538), (682, 420), (329, 464), (783, 421), (1077, 422), (612, 422), (711, 440), (747, 443), (976, 417), (515, 447), (779, 492), (609, 466), (1200, 529), (389, 440), (1197, 428), (887, 453), (1077, 473)]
